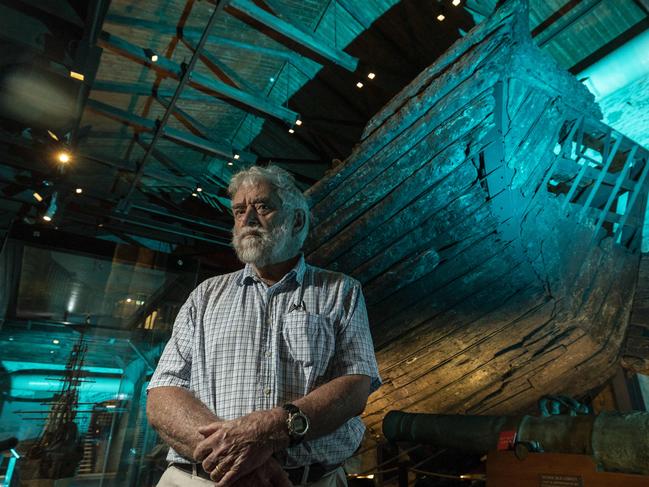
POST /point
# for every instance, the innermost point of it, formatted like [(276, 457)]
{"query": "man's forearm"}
[(176, 415), (329, 406)]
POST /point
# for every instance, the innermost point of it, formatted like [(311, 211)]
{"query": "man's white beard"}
[(260, 247)]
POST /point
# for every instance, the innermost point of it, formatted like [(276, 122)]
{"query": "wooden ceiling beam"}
[(212, 40), (297, 35), (142, 89), (222, 70), (185, 138), (175, 166), (198, 81)]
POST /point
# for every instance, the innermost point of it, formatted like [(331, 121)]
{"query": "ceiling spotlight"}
[(440, 13), (153, 57), (291, 131), (359, 85), (38, 197), (63, 157), (78, 190), (53, 135), (51, 209), (230, 163), (199, 189), (128, 300), (236, 156), (75, 75), (56, 341), (371, 75), (456, 2), (195, 195), (298, 122)]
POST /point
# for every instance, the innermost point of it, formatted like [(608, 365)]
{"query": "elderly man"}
[(269, 367)]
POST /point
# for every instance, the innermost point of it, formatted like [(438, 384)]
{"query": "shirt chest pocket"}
[(309, 339)]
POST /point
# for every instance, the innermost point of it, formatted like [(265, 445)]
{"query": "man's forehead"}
[(256, 190)]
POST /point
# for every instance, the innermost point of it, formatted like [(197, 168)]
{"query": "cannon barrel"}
[(617, 442)]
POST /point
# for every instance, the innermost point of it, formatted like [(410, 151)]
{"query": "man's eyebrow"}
[(266, 201)]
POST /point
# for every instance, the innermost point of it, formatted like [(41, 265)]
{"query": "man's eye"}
[(262, 207)]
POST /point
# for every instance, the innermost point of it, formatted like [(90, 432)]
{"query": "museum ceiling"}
[(157, 102)]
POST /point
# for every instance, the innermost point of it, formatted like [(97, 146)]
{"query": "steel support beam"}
[(199, 81), (286, 30)]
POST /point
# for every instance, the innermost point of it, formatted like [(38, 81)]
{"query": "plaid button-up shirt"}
[(240, 345)]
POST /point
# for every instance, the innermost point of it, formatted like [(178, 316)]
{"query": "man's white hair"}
[(283, 182)]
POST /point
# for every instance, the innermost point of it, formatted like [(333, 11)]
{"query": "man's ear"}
[(300, 218)]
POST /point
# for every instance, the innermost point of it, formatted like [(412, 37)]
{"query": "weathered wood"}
[(483, 293), (410, 114), (430, 135)]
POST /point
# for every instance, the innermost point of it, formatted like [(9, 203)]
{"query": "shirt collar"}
[(249, 275)]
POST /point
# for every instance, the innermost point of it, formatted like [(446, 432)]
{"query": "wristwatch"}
[(297, 423)]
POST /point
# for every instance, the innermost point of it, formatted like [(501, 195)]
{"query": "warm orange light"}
[(75, 75), (441, 17), (63, 157), (359, 85)]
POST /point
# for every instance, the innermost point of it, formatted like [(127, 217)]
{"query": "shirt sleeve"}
[(175, 363), (354, 347)]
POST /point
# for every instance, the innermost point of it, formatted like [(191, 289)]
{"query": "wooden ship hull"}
[(495, 225)]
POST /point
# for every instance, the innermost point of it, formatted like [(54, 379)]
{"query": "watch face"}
[(300, 424)]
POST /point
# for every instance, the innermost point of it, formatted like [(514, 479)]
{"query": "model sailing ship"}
[(495, 224), (57, 451)]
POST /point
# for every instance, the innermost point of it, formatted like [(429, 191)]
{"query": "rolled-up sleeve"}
[(175, 363), (354, 347)]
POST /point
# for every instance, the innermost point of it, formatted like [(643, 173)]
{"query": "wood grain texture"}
[(483, 292)]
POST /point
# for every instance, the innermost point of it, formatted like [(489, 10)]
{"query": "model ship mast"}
[(58, 451)]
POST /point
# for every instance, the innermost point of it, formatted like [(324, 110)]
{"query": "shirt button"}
[(267, 391), (268, 354)]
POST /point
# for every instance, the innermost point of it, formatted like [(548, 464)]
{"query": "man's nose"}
[(251, 218)]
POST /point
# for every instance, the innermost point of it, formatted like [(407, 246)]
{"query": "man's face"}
[(262, 231)]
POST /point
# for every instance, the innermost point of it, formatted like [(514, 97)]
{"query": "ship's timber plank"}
[(517, 94), (431, 135), (464, 376), (457, 253), (465, 265), (418, 343), (416, 304), (416, 195), (539, 70), (544, 372), (480, 63), (506, 334), (451, 207), (536, 148), (460, 365), (494, 26), (518, 135), (448, 236)]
